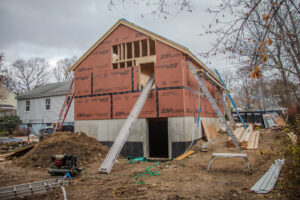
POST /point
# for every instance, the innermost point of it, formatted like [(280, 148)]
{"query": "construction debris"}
[(87, 148), (266, 183), (268, 121)]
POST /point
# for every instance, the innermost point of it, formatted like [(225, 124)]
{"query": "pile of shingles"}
[(248, 139)]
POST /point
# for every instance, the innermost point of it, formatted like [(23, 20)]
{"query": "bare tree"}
[(29, 74), (60, 71)]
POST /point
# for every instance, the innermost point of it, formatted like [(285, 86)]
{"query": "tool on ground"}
[(229, 155), (218, 111), (65, 108), (64, 163), (119, 142), (18, 191)]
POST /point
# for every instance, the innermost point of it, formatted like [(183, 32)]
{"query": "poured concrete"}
[(180, 129)]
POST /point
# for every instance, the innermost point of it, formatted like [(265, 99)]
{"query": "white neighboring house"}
[(41, 106), (8, 102)]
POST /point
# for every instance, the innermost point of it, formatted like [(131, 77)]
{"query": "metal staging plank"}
[(23, 190), (214, 105), (119, 142)]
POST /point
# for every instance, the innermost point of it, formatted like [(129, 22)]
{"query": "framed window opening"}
[(125, 54)]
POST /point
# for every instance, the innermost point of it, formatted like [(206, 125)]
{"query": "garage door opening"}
[(158, 138)]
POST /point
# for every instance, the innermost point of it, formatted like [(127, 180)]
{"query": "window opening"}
[(27, 106), (47, 104), (144, 48)]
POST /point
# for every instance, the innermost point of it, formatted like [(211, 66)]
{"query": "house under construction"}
[(110, 76)]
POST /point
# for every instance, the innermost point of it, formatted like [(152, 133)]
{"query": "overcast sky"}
[(54, 29)]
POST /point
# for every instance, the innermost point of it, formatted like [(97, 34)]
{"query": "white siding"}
[(38, 112)]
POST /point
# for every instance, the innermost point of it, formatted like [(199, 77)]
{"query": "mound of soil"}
[(86, 148)]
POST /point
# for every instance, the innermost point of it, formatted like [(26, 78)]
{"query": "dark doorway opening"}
[(158, 138)]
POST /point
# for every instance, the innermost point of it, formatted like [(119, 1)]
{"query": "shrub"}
[(11, 122)]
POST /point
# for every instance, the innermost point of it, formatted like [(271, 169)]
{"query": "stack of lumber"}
[(238, 134), (248, 139), (210, 131)]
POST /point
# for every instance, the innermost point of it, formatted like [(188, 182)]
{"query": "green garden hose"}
[(152, 173)]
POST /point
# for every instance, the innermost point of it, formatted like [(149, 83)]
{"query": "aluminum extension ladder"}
[(119, 142), (65, 108), (18, 191), (221, 117)]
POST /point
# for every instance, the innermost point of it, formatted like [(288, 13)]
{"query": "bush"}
[(20, 131), (11, 122)]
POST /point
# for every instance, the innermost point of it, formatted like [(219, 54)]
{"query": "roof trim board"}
[(150, 34)]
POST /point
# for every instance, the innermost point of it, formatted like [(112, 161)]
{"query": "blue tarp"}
[(9, 139)]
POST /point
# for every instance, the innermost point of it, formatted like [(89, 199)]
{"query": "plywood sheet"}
[(209, 130), (92, 108), (170, 103), (118, 80), (123, 104)]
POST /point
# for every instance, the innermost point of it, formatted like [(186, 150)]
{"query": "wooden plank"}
[(213, 131), (132, 48), (253, 140), (256, 140), (206, 130), (148, 47), (246, 136), (17, 153), (185, 155), (140, 44)]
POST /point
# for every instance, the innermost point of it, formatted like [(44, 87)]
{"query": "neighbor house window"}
[(27, 106), (68, 100), (47, 104)]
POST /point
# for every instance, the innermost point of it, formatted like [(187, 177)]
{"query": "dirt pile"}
[(88, 149)]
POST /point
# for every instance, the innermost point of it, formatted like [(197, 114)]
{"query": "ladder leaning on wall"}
[(222, 118), (120, 140), (65, 108)]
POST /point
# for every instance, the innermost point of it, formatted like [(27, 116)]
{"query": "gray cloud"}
[(54, 28)]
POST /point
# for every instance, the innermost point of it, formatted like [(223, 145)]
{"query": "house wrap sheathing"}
[(109, 78)]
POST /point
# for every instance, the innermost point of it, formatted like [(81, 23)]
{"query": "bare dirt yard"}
[(229, 178)]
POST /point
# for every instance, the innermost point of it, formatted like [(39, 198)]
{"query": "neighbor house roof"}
[(152, 35), (48, 90)]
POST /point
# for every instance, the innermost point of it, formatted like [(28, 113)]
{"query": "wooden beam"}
[(126, 53), (148, 47), (140, 44), (119, 52), (132, 45)]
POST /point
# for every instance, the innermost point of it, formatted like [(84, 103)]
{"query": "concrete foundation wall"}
[(180, 130)]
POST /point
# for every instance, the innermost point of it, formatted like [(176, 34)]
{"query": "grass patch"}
[(4, 133)]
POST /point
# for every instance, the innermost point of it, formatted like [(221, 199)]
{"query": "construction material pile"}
[(88, 149), (248, 139)]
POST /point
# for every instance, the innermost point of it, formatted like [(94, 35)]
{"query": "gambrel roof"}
[(155, 36)]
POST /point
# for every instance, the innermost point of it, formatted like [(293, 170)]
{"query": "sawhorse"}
[(243, 155)]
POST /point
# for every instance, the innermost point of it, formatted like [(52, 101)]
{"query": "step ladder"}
[(223, 120), (119, 142), (214, 105), (65, 108), (22, 190)]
